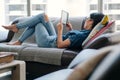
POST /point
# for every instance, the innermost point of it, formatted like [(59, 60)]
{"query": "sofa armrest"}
[(67, 57), (83, 55)]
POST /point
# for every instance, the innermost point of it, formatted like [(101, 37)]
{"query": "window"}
[(116, 17), (118, 27), (16, 7), (13, 17), (74, 7), (38, 7), (93, 7), (112, 8), (10, 9)]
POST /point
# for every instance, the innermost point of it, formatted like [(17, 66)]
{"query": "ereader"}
[(64, 17)]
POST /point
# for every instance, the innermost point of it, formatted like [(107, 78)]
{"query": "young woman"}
[(45, 33)]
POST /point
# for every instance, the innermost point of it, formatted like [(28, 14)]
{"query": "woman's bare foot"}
[(15, 43), (46, 17), (11, 27)]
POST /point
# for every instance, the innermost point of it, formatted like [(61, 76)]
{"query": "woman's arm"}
[(60, 42)]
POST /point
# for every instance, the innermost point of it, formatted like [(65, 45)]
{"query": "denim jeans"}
[(45, 34)]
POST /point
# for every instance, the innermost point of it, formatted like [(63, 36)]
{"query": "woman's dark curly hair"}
[(96, 17)]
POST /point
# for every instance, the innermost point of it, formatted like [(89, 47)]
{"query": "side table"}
[(17, 68)]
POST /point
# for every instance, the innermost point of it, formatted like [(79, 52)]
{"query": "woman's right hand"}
[(60, 26), (60, 42)]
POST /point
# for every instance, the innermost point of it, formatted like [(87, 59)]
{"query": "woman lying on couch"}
[(45, 33)]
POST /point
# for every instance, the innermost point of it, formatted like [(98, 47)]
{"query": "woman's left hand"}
[(69, 26)]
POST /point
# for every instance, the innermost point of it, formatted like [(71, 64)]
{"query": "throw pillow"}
[(103, 30), (96, 29)]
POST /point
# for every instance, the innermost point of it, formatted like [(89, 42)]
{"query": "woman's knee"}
[(41, 16)]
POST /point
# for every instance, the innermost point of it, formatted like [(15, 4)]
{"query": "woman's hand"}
[(69, 26), (60, 42), (60, 27)]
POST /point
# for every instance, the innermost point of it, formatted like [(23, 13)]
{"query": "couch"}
[(100, 64), (39, 59)]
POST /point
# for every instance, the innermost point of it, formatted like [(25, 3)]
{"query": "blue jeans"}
[(45, 34)]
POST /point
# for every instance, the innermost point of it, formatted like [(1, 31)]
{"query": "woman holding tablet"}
[(45, 33)]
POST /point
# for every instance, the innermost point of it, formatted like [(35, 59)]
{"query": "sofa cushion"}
[(10, 48), (30, 52), (43, 55), (83, 55)]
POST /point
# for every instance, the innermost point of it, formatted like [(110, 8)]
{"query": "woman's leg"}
[(27, 33), (32, 22), (50, 28), (48, 25), (30, 30), (43, 38)]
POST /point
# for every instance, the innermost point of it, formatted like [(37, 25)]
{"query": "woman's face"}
[(88, 24)]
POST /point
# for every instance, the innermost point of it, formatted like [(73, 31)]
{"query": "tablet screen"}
[(64, 17)]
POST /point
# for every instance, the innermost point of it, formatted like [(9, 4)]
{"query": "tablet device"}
[(64, 17)]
